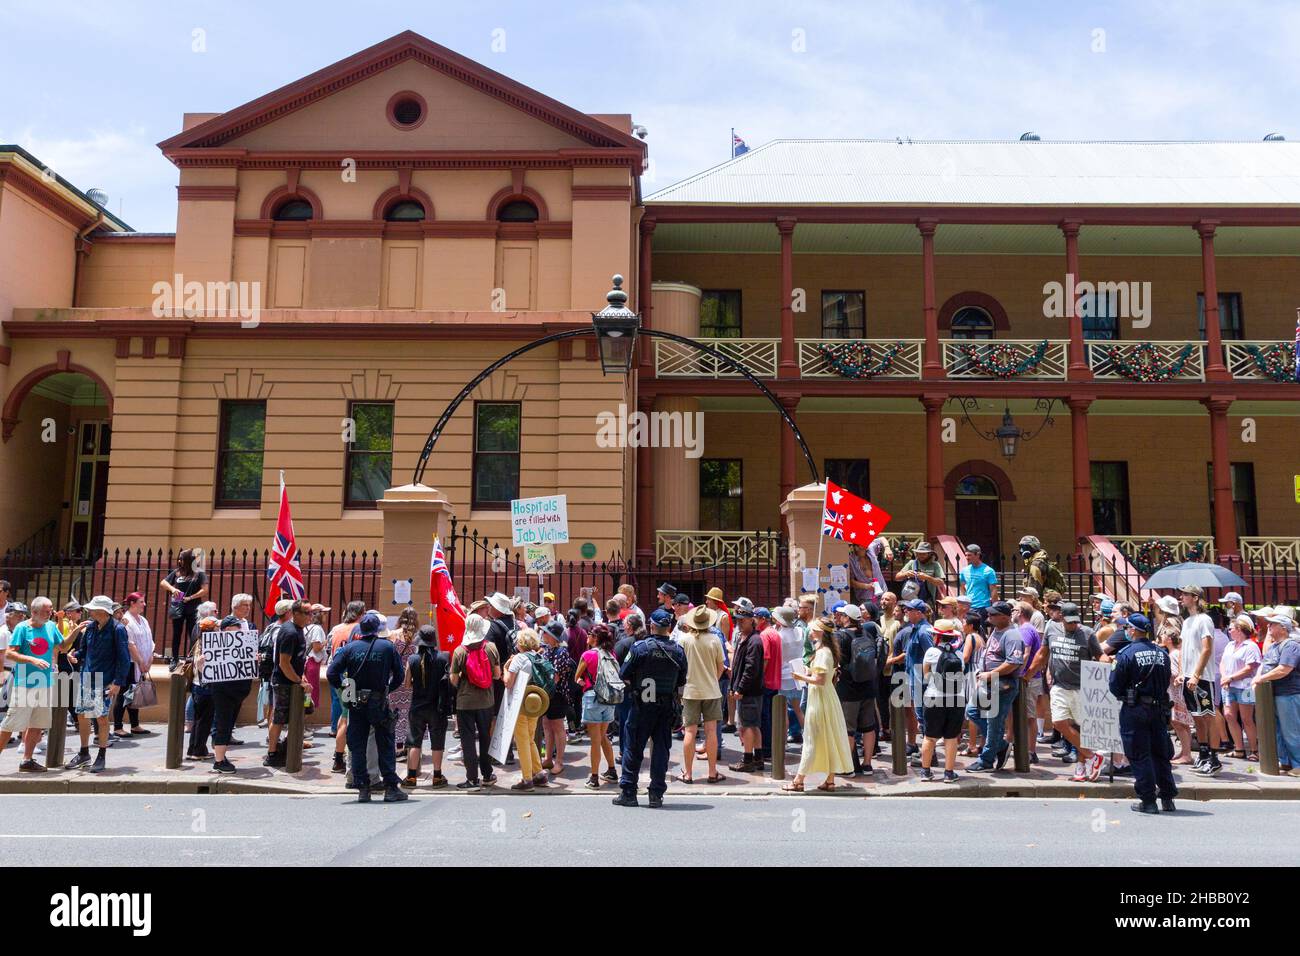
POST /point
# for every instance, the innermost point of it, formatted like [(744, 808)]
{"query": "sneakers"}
[(1144, 806), (223, 766), (1080, 773), (950, 776), (274, 760), (1209, 768), (927, 775), (30, 766), (339, 766), (611, 774), (395, 795), (1003, 754), (437, 782), (625, 799), (80, 760), (98, 766), (593, 782), (979, 767), (490, 780), (1095, 765), (523, 786), (468, 786), (410, 781)]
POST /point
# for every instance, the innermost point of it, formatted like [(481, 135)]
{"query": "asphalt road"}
[(494, 830)]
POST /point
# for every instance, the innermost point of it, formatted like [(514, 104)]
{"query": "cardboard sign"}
[(539, 559), (229, 656), (512, 703), (540, 520), (1099, 729)]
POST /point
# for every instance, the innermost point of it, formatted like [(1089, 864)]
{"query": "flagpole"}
[(821, 539), (733, 142)]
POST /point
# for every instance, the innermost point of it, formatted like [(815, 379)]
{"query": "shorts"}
[(943, 723), (17, 719), (1067, 704), (1239, 695), (92, 696), (1034, 687), (693, 711), (749, 711), (859, 715), (1199, 701), (280, 696), (593, 711), (426, 720), (558, 708)]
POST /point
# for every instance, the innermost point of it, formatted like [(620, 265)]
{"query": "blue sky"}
[(93, 86)]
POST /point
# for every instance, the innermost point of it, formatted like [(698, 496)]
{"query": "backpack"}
[(609, 685), (478, 668), (543, 674), (1053, 579), (947, 675), (862, 659), (266, 649)]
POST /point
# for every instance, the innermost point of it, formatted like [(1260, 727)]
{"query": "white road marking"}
[(121, 836)]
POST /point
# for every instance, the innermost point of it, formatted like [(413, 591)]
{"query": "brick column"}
[(1215, 370), (788, 366), (932, 364), (1081, 467), (645, 540), (643, 293), (934, 524), (1079, 369), (1225, 518)]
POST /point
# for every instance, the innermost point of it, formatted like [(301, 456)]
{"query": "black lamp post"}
[(616, 327), (1008, 435)]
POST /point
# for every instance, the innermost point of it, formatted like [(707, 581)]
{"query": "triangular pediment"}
[(345, 106)]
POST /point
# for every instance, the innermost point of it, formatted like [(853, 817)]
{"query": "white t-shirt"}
[(791, 651), (316, 634), (141, 637), (1195, 630)]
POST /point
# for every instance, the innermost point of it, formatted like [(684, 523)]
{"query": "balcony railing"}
[(1146, 552), (673, 360), (1270, 553), (1157, 361), (1041, 359), (860, 358), (1272, 361), (718, 547)]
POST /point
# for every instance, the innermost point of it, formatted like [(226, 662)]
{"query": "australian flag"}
[(738, 146), (282, 568), (850, 518)]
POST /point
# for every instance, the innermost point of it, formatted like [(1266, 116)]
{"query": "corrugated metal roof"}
[(863, 171)]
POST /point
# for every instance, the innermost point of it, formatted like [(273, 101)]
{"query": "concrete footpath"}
[(136, 765)]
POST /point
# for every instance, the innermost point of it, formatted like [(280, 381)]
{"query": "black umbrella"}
[(1174, 576)]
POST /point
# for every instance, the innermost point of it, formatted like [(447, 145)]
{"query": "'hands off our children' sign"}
[(228, 656), (540, 520)]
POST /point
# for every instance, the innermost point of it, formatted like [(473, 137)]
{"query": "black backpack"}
[(266, 650), (947, 674), (862, 659)]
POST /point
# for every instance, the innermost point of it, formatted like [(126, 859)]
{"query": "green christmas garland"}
[(1150, 556), (1145, 365), (853, 359), (1002, 360), (1276, 361)]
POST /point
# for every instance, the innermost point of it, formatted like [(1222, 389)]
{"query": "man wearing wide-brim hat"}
[(715, 601), (104, 669), (500, 611), (474, 704)]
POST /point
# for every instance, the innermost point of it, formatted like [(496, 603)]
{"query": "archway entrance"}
[(979, 514), (57, 438)]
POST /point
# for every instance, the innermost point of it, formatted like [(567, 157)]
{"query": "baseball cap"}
[(1107, 607), (1000, 607), (762, 612), (370, 624), (1232, 596), (852, 612), (836, 605), (230, 621), (1194, 589), (283, 606), (1139, 622), (682, 598), (916, 604), (548, 596), (743, 604), (1069, 611), (659, 617)]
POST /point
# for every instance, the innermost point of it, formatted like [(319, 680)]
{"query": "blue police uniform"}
[(1141, 675), (655, 669), (380, 673)]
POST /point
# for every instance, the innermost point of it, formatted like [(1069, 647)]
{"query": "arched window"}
[(519, 210), (408, 210), (293, 210), (972, 322), (976, 486)]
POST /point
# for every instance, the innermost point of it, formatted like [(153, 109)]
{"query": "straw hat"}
[(536, 701)]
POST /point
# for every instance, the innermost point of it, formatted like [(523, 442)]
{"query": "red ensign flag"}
[(854, 519), (446, 605)]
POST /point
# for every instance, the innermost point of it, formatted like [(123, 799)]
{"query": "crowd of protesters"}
[(957, 653)]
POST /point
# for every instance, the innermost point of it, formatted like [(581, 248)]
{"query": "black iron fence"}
[(332, 578), (758, 570)]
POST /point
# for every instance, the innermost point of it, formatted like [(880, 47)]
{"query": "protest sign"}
[(228, 656), (539, 520), (1099, 728)]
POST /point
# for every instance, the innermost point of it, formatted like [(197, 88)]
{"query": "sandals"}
[(829, 786), (682, 778), (1239, 754), (794, 788), (718, 778)]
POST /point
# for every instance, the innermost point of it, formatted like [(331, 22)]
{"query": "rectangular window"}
[(369, 468), (844, 315), (1100, 313), (721, 494), (240, 442), (1231, 327), (497, 433), (1110, 514), (720, 314), (851, 474), (1243, 497)]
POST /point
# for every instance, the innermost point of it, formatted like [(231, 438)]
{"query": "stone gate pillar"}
[(413, 514), (802, 511)]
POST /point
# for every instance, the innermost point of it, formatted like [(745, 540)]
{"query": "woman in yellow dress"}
[(825, 739)]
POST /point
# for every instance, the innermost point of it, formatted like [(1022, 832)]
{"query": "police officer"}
[(374, 669), (1140, 682), (654, 671)]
